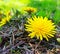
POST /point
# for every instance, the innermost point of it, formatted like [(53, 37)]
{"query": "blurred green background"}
[(45, 8)]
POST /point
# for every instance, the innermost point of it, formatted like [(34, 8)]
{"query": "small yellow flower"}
[(30, 9), (40, 27), (5, 20)]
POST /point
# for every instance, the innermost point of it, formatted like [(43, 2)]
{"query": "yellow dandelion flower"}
[(5, 20), (40, 27), (30, 9)]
